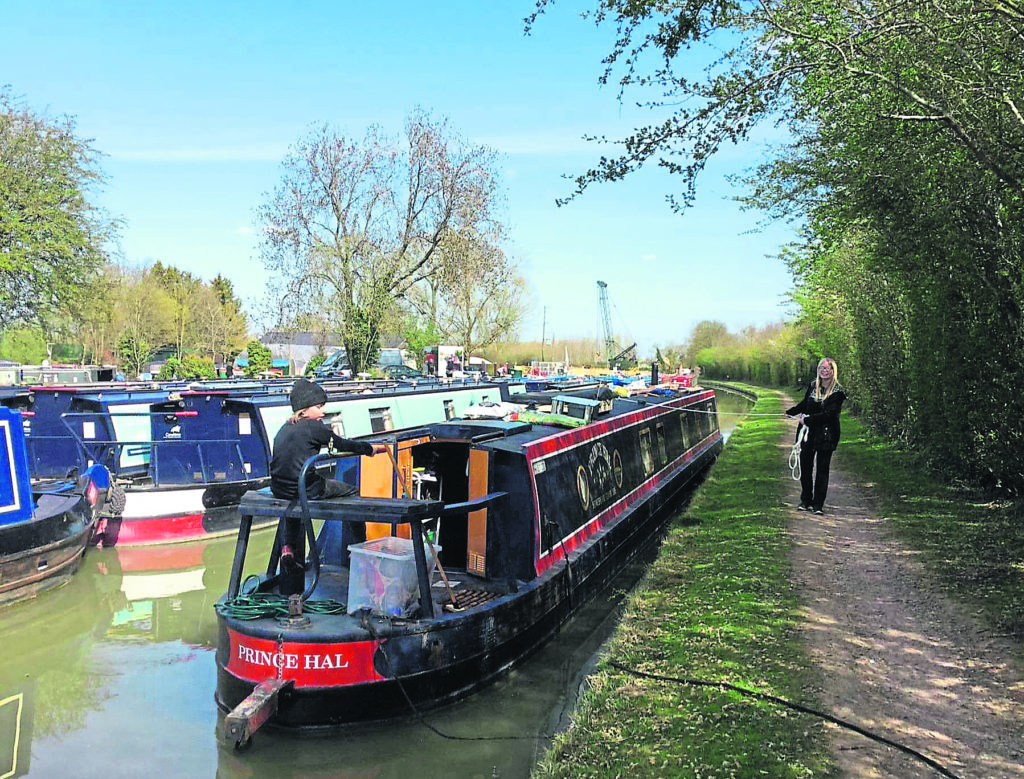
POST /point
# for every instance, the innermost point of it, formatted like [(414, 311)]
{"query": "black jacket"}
[(821, 418), (296, 443)]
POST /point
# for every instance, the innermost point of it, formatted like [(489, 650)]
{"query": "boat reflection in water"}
[(126, 642)]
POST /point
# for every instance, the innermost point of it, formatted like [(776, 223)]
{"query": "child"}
[(303, 436)]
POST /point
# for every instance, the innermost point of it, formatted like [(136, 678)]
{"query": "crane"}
[(610, 347), (606, 320)]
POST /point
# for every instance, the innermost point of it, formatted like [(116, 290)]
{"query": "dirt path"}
[(898, 657)]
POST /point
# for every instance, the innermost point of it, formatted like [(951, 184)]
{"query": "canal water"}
[(113, 675)]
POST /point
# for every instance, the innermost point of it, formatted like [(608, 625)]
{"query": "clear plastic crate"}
[(382, 576)]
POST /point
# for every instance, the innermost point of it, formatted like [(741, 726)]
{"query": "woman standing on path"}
[(819, 413)]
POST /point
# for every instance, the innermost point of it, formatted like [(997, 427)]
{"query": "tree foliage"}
[(52, 238), (25, 345), (906, 173), (354, 225), (259, 359)]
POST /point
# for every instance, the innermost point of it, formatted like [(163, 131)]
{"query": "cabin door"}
[(377, 479), (479, 461)]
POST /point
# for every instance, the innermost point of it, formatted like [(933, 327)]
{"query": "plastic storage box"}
[(382, 576)]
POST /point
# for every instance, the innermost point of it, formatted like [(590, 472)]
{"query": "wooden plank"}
[(250, 715)]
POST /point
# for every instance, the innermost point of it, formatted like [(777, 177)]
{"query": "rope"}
[(794, 454), (795, 707), (259, 605)]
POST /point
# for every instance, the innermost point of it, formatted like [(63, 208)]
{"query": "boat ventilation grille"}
[(469, 599)]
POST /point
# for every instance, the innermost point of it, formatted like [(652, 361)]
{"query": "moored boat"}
[(523, 520), (205, 447), (44, 527)]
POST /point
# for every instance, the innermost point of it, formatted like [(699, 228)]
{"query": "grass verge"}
[(972, 545), (716, 605)]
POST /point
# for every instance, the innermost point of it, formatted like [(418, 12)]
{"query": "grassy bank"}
[(972, 545), (717, 605)]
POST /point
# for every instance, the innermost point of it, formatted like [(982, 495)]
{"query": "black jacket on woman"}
[(821, 418)]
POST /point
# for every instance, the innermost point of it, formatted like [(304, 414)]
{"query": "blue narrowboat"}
[(207, 447), (44, 527)]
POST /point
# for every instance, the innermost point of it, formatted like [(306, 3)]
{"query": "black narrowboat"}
[(497, 531)]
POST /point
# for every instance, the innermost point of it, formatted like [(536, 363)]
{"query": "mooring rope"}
[(258, 605), (794, 454)]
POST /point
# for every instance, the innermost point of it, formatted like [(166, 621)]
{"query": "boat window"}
[(449, 409), (662, 453), (684, 428), (380, 419), (336, 423), (645, 451)]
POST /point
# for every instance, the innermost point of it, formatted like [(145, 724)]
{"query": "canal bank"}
[(899, 611)]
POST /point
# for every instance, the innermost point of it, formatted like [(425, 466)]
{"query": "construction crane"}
[(610, 347)]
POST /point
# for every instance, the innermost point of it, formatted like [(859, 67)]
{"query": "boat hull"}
[(176, 515), (382, 669), (43, 554)]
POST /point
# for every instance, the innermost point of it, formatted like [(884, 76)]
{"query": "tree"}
[(52, 239), (146, 320), (217, 325), (181, 288), (260, 359), (480, 297), (25, 345), (906, 172), (355, 225)]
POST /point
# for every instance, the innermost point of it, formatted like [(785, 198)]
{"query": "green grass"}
[(973, 546), (716, 605)]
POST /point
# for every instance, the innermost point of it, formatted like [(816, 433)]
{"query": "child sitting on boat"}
[(303, 436)]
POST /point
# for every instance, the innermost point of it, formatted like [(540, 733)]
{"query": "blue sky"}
[(195, 105)]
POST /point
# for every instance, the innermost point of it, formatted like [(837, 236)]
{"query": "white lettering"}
[(311, 662)]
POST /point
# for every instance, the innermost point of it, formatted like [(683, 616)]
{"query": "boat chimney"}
[(654, 373)]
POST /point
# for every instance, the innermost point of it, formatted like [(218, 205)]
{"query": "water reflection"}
[(114, 673)]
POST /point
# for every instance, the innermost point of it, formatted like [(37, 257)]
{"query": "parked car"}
[(402, 372)]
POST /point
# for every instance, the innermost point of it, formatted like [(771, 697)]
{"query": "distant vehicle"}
[(402, 372), (335, 365)]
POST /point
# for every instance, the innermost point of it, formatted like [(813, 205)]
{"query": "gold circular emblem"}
[(583, 487)]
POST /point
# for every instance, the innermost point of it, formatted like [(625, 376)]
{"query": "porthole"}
[(617, 467), (583, 487)]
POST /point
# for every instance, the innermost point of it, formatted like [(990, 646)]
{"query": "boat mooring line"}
[(790, 705)]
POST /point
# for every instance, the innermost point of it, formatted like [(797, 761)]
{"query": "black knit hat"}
[(306, 394)]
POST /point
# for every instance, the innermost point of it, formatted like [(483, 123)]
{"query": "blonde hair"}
[(300, 414), (821, 393)]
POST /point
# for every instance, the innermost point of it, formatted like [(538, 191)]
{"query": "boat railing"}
[(109, 452), (352, 509)]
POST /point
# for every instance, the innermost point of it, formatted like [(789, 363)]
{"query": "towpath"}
[(898, 657)]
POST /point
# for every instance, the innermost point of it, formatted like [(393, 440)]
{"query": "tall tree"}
[(354, 225), (146, 316), (52, 238), (480, 296)]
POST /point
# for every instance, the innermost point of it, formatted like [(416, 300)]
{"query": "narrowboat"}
[(203, 448), (523, 517), (44, 527)]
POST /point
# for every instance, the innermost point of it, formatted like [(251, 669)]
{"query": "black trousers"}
[(814, 476)]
